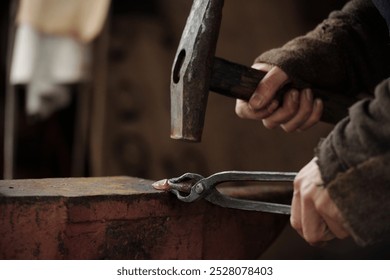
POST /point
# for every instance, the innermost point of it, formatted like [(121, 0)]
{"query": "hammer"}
[(196, 71)]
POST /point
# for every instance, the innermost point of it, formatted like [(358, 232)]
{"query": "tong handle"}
[(259, 176), (250, 205)]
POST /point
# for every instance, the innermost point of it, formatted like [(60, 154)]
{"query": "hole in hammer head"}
[(178, 65)]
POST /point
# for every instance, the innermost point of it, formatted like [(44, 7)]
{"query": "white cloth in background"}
[(52, 50), (47, 64)]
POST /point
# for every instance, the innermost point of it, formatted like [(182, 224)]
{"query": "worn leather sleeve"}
[(348, 53)]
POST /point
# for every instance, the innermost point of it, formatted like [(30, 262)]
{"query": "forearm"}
[(342, 54), (354, 162), (361, 136)]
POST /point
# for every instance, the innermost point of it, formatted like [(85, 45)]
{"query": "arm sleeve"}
[(345, 54), (354, 161), (349, 53)]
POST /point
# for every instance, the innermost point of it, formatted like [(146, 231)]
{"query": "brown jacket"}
[(350, 53)]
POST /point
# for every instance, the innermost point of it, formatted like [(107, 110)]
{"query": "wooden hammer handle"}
[(239, 81)]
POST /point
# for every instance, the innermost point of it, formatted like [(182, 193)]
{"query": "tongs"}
[(191, 187)]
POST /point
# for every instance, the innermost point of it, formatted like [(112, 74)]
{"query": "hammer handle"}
[(239, 81)]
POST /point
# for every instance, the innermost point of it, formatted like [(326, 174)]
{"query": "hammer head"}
[(191, 71)]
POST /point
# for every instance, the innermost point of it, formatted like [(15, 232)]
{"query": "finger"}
[(244, 111), (262, 66), (331, 215), (267, 88), (314, 228), (304, 112), (295, 218), (286, 112), (314, 202), (336, 228), (315, 116)]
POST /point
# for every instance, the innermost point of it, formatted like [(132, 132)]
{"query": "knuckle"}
[(297, 182), (266, 86), (306, 195), (295, 223), (305, 190)]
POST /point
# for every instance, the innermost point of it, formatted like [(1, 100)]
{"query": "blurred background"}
[(113, 118)]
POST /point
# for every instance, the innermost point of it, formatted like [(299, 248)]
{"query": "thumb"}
[(268, 86)]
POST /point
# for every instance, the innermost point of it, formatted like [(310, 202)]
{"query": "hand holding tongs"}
[(191, 187)]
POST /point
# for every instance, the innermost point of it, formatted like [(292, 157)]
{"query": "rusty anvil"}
[(195, 71)]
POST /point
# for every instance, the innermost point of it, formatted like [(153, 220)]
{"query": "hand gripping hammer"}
[(196, 71)]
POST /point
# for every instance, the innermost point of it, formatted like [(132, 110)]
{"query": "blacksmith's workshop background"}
[(113, 118)]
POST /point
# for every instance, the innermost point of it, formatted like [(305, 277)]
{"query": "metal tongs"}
[(191, 187)]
